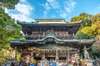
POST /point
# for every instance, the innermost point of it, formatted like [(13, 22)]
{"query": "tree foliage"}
[(96, 51), (90, 24), (8, 3), (82, 16), (9, 30), (90, 29)]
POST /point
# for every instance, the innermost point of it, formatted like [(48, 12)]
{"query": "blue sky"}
[(28, 10)]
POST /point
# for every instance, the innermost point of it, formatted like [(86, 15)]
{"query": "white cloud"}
[(52, 8), (50, 4), (22, 11), (62, 10), (23, 8), (23, 1), (53, 3), (68, 8)]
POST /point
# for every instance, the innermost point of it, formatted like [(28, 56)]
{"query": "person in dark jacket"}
[(12, 64)]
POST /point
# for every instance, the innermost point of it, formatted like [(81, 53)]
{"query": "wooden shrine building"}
[(52, 39)]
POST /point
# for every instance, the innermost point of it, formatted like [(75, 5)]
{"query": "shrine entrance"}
[(54, 53)]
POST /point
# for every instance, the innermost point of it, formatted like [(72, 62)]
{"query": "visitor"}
[(23, 63), (12, 64), (32, 65), (32, 61)]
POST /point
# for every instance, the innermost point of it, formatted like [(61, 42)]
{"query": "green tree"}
[(82, 16), (9, 30), (96, 18), (90, 29), (96, 50), (8, 3)]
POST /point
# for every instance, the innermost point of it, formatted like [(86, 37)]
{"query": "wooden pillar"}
[(43, 56), (68, 55), (57, 58), (15, 53), (44, 53)]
